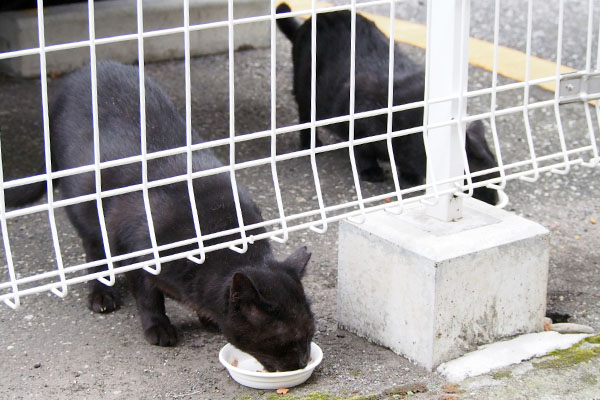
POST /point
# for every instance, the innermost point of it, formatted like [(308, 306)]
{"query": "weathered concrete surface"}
[(504, 353), (568, 375), (442, 288)]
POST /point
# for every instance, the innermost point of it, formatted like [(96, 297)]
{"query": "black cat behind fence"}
[(371, 93), (257, 301)]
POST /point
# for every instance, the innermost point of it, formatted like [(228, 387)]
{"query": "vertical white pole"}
[(280, 208), (12, 276), (559, 124), (97, 158), (447, 71), (588, 68), (234, 187), (534, 163), (47, 157), (188, 131), (313, 118), (359, 195), (400, 208), (144, 150)]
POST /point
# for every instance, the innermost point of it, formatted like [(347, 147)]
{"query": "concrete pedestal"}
[(69, 23), (433, 290)]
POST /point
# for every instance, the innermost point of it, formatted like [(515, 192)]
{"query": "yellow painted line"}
[(511, 62)]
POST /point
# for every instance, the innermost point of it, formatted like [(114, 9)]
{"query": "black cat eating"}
[(371, 93), (257, 301)]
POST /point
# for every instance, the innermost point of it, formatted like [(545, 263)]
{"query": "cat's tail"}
[(23, 195), (288, 26)]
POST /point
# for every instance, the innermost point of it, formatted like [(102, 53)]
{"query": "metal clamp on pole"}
[(579, 87)]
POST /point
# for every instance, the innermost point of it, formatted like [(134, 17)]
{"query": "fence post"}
[(447, 66)]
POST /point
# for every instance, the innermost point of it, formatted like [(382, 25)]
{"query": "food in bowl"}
[(247, 371)]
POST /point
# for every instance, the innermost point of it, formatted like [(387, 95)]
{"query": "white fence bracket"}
[(579, 86)]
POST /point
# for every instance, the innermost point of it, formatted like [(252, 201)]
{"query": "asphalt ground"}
[(52, 348)]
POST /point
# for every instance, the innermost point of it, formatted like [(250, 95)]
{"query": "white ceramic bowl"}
[(245, 370)]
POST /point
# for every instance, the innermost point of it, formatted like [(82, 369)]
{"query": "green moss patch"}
[(317, 396), (397, 392), (244, 397), (593, 339), (571, 356), (590, 379), (402, 391), (501, 374)]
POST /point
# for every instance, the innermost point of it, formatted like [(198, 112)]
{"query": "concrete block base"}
[(69, 23), (432, 290)]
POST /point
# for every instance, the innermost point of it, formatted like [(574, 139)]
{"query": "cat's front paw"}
[(208, 324), (102, 301), (373, 174), (161, 335)]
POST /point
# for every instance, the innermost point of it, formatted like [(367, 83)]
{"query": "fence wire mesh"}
[(527, 81)]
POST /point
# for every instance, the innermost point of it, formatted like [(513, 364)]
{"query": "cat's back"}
[(118, 100), (334, 32), (117, 95)]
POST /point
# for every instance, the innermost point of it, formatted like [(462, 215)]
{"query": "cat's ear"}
[(298, 260), (242, 289)]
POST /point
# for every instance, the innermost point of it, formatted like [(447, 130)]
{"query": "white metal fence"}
[(451, 102)]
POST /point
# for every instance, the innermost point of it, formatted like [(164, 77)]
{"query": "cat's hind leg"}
[(366, 163)]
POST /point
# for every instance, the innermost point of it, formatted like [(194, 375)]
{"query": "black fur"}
[(371, 92), (257, 301)]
